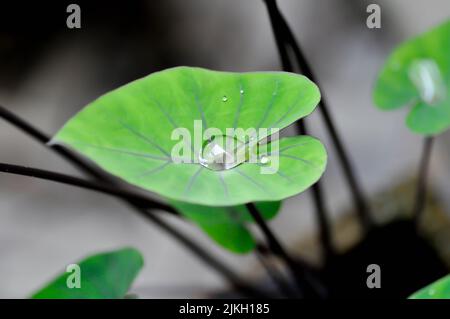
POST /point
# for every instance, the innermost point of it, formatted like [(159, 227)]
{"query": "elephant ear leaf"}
[(417, 74), (102, 276), (227, 226), (134, 131), (437, 290)]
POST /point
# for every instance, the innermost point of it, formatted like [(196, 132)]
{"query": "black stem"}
[(421, 189), (307, 283), (275, 275), (135, 198), (317, 194), (191, 245), (355, 188), (321, 212), (277, 30), (44, 139), (324, 225)]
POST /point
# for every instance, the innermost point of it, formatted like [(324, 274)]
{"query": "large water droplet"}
[(224, 98), (223, 152), (428, 80)]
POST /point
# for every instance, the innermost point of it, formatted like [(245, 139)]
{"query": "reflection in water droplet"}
[(223, 153), (428, 80), (264, 159), (224, 98)]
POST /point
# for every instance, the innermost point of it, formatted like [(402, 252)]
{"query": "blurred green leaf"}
[(417, 73), (103, 276), (438, 290), (227, 225)]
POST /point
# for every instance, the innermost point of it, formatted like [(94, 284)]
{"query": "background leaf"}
[(128, 133), (438, 290), (103, 276), (394, 87), (227, 225)]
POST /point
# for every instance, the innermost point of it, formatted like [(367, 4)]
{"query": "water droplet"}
[(241, 91), (264, 159), (428, 80), (224, 98), (431, 292), (223, 153)]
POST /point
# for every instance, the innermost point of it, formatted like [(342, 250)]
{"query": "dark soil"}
[(406, 259)]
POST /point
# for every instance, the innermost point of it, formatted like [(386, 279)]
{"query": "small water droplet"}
[(264, 159), (223, 153), (224, 98), (431, 292), (241, 91)]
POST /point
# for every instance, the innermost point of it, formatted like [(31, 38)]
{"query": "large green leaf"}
[(128, 133), (103, 276), (438, 290), (417, 73), (227, 225)]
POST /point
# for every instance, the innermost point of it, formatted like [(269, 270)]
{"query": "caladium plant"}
[(128, 133), (170, 134), (417, 74)]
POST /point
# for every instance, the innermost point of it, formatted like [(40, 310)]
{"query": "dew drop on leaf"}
[(223, 153), (264, 159)]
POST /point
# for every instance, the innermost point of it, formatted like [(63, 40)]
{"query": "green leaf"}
[(128, 133), (417, 73), (103, 276), (227, 225), (438, 290)]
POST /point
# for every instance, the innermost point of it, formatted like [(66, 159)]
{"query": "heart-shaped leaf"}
[(418, 74), (101, 276), (133, 132), (227, 225), (438, 290)]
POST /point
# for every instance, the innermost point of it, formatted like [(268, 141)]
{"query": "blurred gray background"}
[(48, 72)]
